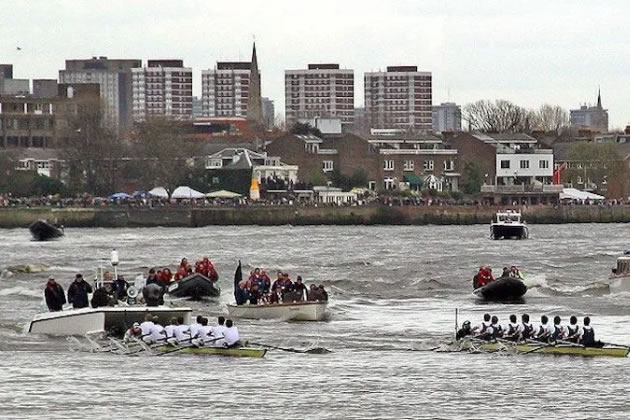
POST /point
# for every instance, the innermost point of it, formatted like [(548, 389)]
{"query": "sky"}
[(529, 52)]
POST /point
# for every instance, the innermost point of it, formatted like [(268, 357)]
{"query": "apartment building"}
[(399, 98), (321, 90)]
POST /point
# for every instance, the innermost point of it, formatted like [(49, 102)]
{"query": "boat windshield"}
[(508, 218)]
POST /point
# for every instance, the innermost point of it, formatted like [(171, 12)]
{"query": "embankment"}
[(267, 216)]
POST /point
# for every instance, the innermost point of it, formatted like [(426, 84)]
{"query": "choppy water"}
[(392, 289)]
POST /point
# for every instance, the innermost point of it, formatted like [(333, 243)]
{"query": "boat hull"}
[(502, 289), (97, 320), (499, 231), (41, 230), (558, 349), (298, 311), (217, 351), (195, 287)]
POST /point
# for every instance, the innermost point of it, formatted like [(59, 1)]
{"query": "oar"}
[(315, 350), (543, 345)]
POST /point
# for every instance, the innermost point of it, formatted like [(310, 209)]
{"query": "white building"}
[(447, 117), (114, 80), (163, 88), (263, 166), (399, 98), (322, 90), (225, 89)]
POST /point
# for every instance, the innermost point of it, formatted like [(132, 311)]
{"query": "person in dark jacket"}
[(78, 292), (55, 296)]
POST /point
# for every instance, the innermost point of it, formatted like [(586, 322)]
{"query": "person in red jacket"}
[(167, 276), (483, 277)]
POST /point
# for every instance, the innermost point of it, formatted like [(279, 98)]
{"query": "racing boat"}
[(44, 231), (196, 287), (609, 350), (294, 311), (502, 289), (508, 225), (216, 351)]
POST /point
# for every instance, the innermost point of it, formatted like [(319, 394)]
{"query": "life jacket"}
[(497, 330), (527, 331), (588, 336), (511, 329), (572, 332), (557, 332)]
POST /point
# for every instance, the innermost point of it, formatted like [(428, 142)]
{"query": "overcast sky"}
[(529, 52)]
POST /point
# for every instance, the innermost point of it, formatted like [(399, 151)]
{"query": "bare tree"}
[(499, 116), (552, 119)]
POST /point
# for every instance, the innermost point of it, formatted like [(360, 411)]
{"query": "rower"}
[(231, 336), (133, 331), (526, 329), (464, 331), (545, 331), (157, 332), (218, 332), (559, 332), (483, 331), (512, 330), (194, 328), (497, 329), (573, 330), (169, 330), (182, 332), (588, 335), (146, 326), (203, 334)]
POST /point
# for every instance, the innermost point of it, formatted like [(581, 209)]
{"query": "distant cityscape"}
[(399, 140)]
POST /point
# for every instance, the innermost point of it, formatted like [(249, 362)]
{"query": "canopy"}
[(159, 192), (186, 192), (575, 194), (413, 179), (120, 196), (223, 194)]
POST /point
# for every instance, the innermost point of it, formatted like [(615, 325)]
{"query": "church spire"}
[(254, 101), (599, 97)]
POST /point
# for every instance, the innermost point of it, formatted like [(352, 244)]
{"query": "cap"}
[(51, 277)]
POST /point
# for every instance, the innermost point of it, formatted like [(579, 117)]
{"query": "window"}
[(388, 165), (505, 164), (579, 180), (215, 180), (327, 165), (408, 165), (524, 164), (543, 164), (388, 183), (372, 185), (214, 163), (449, 165), (428, 165)]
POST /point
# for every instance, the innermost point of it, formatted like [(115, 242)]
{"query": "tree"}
[(500, 116), (359, 178), (305, 129), (552, 119), (316, 178), (472, 178), (598, 164)]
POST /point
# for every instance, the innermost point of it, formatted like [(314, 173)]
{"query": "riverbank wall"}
[(293, 215)]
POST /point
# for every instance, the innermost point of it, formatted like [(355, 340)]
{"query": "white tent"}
[(575, 194), (223, 194), (186, 192), (159, 192)]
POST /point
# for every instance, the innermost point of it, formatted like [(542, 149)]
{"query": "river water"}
[(393, 292)]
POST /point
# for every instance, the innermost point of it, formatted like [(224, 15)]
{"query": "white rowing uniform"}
[(231, 336), (203, 336), (146, 327), (157, 333), (217, 334), (169, 330), (484, 328), (182, 333), (194, 329)]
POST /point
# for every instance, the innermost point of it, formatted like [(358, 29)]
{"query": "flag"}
[(238, 277), (557, 173), (19, 49)]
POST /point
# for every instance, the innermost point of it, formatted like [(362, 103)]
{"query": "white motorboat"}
[(98, 320), (507, 225), (296, 311), (620, 277)]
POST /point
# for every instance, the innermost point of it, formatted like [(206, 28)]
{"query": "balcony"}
[(523, 188)]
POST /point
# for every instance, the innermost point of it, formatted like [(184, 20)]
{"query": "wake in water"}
[(538, 286)]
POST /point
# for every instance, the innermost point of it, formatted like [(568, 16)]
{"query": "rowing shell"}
[(558, 349), (217, 351)]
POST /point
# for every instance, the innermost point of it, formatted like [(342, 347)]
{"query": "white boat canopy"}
[(187, 192), (575, 194), (159, 192), (223, 194)]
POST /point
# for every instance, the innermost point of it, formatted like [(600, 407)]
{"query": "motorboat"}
[(44, 231), (620, 277), (291, 311), (508, 225), (100, 320), (502, 289), (196, 287)]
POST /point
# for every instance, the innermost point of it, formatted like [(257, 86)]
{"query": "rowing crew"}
[(490, 329), (199, 334)]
